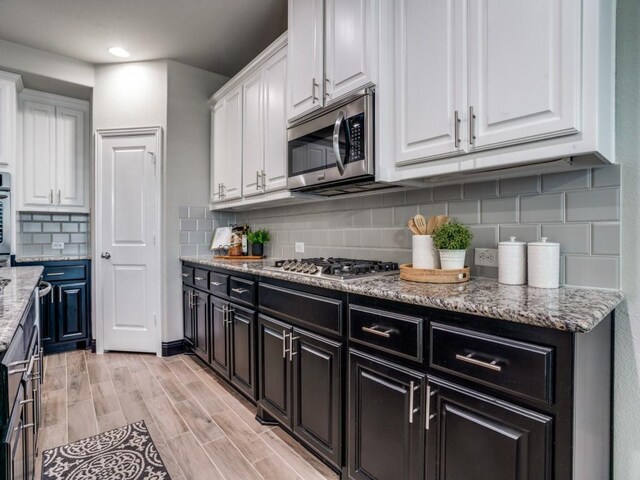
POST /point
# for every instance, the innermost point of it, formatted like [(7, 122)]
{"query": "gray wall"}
[(579, 209), (36, 231)]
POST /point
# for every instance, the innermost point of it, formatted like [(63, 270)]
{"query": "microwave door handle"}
[(336, 142)]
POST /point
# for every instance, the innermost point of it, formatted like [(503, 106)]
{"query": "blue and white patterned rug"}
[(126, 453)]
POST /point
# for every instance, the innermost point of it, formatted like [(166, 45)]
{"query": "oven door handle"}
[(336, 141)]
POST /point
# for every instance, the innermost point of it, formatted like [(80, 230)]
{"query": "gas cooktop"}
[(341, 269)]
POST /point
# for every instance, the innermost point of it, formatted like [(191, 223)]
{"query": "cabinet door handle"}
[(456, 129), (51, 196), (291, 352), (428, 406), (239, 290), (375, 331), (216, 284), (314, 99), (492, 365), (264, 179), (257, 179), (230, 312), (190, 299), (59, 197), (60, 294), (472, 126), (284, 343), (411, 389), (327, 84)]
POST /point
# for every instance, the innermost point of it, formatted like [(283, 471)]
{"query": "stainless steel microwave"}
[(332, 152)]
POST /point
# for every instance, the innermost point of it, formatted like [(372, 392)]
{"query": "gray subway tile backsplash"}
[(197, 225), (579, 209), (38, 230)]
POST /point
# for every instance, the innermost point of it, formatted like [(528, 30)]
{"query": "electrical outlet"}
[(486, 257), (299, 247), (57, 245)]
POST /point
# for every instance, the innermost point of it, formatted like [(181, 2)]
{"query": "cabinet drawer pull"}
[(216, 284), (199, 278), (375, 331), (185, 275), (284, 343), (412, 389), (469, 359), (239, 290), (55, 274)]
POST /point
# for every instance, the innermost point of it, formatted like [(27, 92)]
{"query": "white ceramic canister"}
[(543, 260), (512, 262), (425, 254)]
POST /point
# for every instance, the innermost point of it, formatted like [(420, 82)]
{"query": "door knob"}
[(106, 255)]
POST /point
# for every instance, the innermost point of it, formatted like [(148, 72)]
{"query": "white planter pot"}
[(452, 259), (425, 254)]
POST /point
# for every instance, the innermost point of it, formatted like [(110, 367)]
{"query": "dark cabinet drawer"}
[(187, 275), (63, 274), (218, 283), (522, 368), (302, 307), (397, 334), (201, 278), (244, 291)]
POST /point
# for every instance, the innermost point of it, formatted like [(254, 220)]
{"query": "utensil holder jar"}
[(425, 254)]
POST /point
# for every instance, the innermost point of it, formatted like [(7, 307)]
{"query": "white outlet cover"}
[(299, 247), (57, 245), (486, 257)]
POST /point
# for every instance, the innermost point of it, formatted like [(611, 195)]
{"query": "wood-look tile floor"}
[(202, 428)]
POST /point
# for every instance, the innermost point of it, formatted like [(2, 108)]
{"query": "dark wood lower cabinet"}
[(219, 335), (243, 349), (317, 397), (274, 390), (202, 325), (475, 437), (187, 315), (386, 420), (72, 313)]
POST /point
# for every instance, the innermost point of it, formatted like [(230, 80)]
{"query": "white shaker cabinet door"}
[(218, 162), (305, 56), (429, 79), (8, 119), (71, 158), (275, 123), (232, 172), (351, 46), (524, 70), (252, 143), (38, 154)]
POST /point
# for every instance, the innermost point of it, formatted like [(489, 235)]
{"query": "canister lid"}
[(512, 242), (543, 243)]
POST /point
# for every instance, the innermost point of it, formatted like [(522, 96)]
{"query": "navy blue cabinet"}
[(65, 312)]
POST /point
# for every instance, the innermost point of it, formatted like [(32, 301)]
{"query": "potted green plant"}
[(452, 240), (257, 239)]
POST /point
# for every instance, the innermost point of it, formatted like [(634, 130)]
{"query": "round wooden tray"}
[(407, 272)]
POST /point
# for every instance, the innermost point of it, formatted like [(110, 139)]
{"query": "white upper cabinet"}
[(524, 70), (232, 177), (54, 167), (351, 46), (9, 85), (274, 175), (483, 85), (429, 77), (305, 53), (218, 161), (333, 51), (253, 129)]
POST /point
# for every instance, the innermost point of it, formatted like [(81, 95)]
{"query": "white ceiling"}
[(217, 35)]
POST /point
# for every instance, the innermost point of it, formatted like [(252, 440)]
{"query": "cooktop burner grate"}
[(335, 268)]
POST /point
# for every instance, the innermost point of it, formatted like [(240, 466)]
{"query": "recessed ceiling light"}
[(119, 52)]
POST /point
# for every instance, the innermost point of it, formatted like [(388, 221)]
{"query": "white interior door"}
[(127, 209)]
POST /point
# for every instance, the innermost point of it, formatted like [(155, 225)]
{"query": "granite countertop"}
[(14, 299), (566, 308), (53, 258)]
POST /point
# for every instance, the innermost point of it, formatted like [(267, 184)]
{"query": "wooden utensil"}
[(412, 227), (431, 225), (421, 224), (441, 220)]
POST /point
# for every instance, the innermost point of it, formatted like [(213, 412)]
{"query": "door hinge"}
[(153, 157)]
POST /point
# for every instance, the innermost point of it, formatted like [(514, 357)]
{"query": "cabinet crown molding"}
[(277, 45)]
